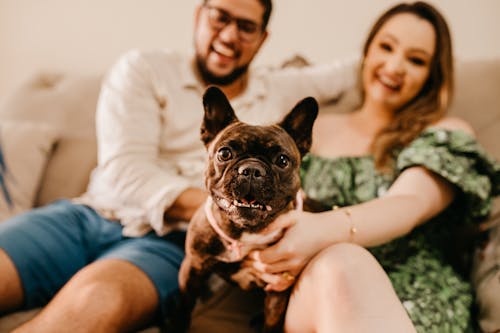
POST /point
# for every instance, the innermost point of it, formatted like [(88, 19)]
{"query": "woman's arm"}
[(415, 197)]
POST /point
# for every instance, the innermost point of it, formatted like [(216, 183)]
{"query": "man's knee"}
[(115, 285), (106, 296)]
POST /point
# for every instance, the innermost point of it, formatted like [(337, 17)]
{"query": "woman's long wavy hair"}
[(433, 100)]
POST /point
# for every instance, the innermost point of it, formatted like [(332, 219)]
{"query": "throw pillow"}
[(24, 150)]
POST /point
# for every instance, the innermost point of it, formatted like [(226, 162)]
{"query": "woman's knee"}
[(342, 258), (340, 266), (329, 281)]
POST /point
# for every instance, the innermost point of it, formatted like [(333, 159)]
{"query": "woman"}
[(406, 176)]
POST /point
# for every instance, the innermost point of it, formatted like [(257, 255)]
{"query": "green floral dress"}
[(437, 297)]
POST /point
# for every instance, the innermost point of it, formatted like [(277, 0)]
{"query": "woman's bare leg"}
[(344, 289)]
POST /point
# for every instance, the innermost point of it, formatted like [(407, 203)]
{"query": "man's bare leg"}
[(107, 296), (11, 291)]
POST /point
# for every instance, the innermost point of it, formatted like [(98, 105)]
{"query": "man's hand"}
[(185, 205)]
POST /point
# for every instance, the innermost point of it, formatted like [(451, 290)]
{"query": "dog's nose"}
[(253, 170)]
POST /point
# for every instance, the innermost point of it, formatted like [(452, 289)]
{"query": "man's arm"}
[(325, 82), (185, 205), (129, 129)]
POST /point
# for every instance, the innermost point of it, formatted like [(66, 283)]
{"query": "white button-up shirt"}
[(148, 129)]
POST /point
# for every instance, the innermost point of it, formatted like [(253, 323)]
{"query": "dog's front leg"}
[(191, 280), (275, 305)]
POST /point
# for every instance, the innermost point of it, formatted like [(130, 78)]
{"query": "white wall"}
[(86, 36)]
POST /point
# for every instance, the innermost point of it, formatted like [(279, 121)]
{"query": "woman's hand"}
[(281, 263)]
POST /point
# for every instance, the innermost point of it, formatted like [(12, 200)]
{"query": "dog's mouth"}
[(247, 203), (254, 204), (249, 213)]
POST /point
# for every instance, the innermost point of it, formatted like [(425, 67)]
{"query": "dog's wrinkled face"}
[(253, 171)]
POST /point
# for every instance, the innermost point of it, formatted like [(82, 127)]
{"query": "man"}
[(108, 261)]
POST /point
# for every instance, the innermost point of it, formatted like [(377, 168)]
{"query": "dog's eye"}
[(224, 154), (282, 161)]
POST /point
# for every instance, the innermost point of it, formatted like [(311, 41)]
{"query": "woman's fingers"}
[(292, 265), (278, 282), (270, 279), (271, 254), (283, 221)]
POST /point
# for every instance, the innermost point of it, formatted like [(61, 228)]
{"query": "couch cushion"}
[(66, 102), (24, 150), (477, 100), (10, 322), (68, 170), (486, 280)]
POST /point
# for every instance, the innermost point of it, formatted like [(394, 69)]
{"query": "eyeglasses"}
[(248, 30)]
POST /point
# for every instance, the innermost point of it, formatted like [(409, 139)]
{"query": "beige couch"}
[(66, 103)]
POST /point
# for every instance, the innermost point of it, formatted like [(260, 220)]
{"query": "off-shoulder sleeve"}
[(459, 158)]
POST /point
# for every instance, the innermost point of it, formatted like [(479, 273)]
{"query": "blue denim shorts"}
[(49, 245)]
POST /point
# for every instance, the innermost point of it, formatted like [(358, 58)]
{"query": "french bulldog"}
[(252, 176)]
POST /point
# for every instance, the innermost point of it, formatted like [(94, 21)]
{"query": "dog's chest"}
[(238, 249)]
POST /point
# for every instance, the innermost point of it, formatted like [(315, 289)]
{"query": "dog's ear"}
[(218, 114), (299, 123)]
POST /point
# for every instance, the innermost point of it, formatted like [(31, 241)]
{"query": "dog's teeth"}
[(269, 208), (254, 205), (225, 203), (241, 204)]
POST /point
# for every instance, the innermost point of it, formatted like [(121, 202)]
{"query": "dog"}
[(252, 177)]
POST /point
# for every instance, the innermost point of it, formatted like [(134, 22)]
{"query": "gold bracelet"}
[(347, 212)]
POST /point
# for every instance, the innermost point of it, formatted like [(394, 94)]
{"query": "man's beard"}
[(225, 80)]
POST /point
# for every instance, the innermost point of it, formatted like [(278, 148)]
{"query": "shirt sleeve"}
[(129, 121), (457, 157), (326, 82)]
